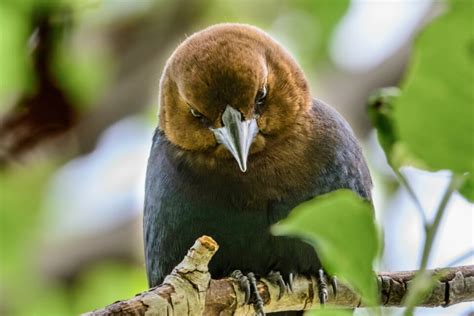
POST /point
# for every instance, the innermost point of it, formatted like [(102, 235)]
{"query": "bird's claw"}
[(290, 282), (323, 286), (243, 282), (285, 284), (275, 276), (258, 301), (248, 283)]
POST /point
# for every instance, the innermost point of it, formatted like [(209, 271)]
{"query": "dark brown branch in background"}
[(139, 45), (47, 111), (189, 290)]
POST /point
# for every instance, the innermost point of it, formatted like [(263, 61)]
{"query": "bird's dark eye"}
[(195, 113), (204, 120), (261, 95)]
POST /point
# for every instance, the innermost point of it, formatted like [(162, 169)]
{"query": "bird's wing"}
[(347, 168)]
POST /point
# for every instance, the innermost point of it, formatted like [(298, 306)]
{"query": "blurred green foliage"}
[(436, 98), (429, 123), (76, 70), (14, 62), (325, 14), (302, 26), (348, 251), (20, 199), (432, 120), (467, 190), (21, 192), (432, 117), (105, 283), (329, 312), (82, 68), (381, 110), (434, 114), (421, 286), (20, 218), (77, 73)]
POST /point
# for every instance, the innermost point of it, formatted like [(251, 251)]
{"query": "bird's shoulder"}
[(333, 138)]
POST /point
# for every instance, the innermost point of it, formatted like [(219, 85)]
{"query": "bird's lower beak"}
[(236, 135)]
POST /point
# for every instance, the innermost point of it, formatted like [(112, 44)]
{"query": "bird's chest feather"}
[(262, 192), (224, 201), (238, 216), (237, 211)]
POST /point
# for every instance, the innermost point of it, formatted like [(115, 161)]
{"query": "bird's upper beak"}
[(236, 135)]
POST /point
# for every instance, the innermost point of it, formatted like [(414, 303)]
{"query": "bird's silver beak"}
[(236, 135)]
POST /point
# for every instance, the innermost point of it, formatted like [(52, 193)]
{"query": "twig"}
[(189, 290), (454, 184), (412, 194), (459, 259), (431, 231)]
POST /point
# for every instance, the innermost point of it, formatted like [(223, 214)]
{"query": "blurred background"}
[(78, 106)]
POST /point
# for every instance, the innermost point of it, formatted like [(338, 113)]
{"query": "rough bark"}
[(189, 290)]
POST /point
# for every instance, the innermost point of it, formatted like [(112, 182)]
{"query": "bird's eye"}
[(195, 113), (261, 95), (201, 118)]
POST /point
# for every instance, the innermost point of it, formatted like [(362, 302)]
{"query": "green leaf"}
[(418, 289), (329, 312), (467, 189), (340, 225), (434, 114), (380, 109)]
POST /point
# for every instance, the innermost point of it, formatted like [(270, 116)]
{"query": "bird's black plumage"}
[(240, 144), (183, 203)]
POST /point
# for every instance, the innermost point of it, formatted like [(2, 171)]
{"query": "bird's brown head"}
[(231, 91)]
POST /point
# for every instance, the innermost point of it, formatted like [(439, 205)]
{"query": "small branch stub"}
[(189, 290), (183, 292)]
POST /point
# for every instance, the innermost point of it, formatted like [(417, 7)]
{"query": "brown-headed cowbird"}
[(240, 143)]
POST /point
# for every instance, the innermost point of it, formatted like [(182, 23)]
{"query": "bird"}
[(240, 142)]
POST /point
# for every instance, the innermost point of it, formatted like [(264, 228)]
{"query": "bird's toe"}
[(243, 282), (248, 283), (322, 281), (322, 287), (257, 299), (275, 276)]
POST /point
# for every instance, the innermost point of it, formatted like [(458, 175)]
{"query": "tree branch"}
[(189, 290)]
